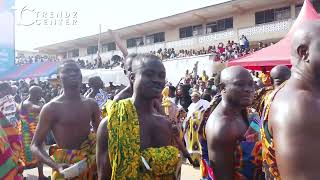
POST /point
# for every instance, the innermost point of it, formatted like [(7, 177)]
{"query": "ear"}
[(303, 52)]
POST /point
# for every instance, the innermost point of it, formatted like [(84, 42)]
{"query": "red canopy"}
[(278, 53)]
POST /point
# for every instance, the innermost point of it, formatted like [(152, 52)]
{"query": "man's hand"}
[(60, 167)]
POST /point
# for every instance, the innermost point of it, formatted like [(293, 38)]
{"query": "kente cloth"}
[(13, 137), (8, 108), (206, 171), (10, 166), (125, 153), (270, 167), (27, 127), (70, 156), (260, 98), (248, 152)]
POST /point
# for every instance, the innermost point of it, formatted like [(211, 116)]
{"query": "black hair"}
[(65, 62), (4, 86), (172, 89), (206, 97)]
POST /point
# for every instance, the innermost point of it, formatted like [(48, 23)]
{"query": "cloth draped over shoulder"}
[(248, 152), (205, 169), (270, 167), (27, 127), (10, 165), (124, 147), (87, 150)]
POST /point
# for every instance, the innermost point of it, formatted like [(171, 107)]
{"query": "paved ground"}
[(188, 173)]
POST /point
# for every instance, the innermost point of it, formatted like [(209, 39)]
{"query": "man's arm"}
[(96, 115), (103, 162), (43, 127), (118, 42), (221, 151)]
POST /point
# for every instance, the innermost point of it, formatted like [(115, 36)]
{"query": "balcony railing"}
[(277, 26)]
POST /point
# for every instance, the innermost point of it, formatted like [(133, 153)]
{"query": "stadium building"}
[(259, 20)]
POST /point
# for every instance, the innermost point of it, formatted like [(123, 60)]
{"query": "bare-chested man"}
[(136, 132), (29, 116), (279, 74), (68, 116), (291, 128), (232, 133)]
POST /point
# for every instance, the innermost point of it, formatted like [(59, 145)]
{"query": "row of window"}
[(283, 13), (261, 17)]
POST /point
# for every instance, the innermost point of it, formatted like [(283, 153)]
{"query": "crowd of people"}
[(110, 64), (235, 124), (221, 52)]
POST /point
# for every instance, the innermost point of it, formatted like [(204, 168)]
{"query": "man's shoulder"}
[(88, 100), (294, 106)]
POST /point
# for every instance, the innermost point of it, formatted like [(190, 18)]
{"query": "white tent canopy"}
[(116, 75)]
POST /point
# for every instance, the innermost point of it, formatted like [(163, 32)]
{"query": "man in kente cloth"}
[(68, 117), (205, 169), (29, 111), (232, 131), (9, 122), (134, 141), (279, 74), (10, 165), (291, 119)]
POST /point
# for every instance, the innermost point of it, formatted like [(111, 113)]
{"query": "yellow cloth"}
[(265, 78), (87, 150), (204, 78), (124, 147), (193, 143)]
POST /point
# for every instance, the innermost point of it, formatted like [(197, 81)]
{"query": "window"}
[(92, 49), (185, 32), (282, 13), (220, 25), (316, 5), (134, 42), (298, 9), (155, 38), (190, 31), (111, 46), (75, 53), (197, 30), (271, 15)]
